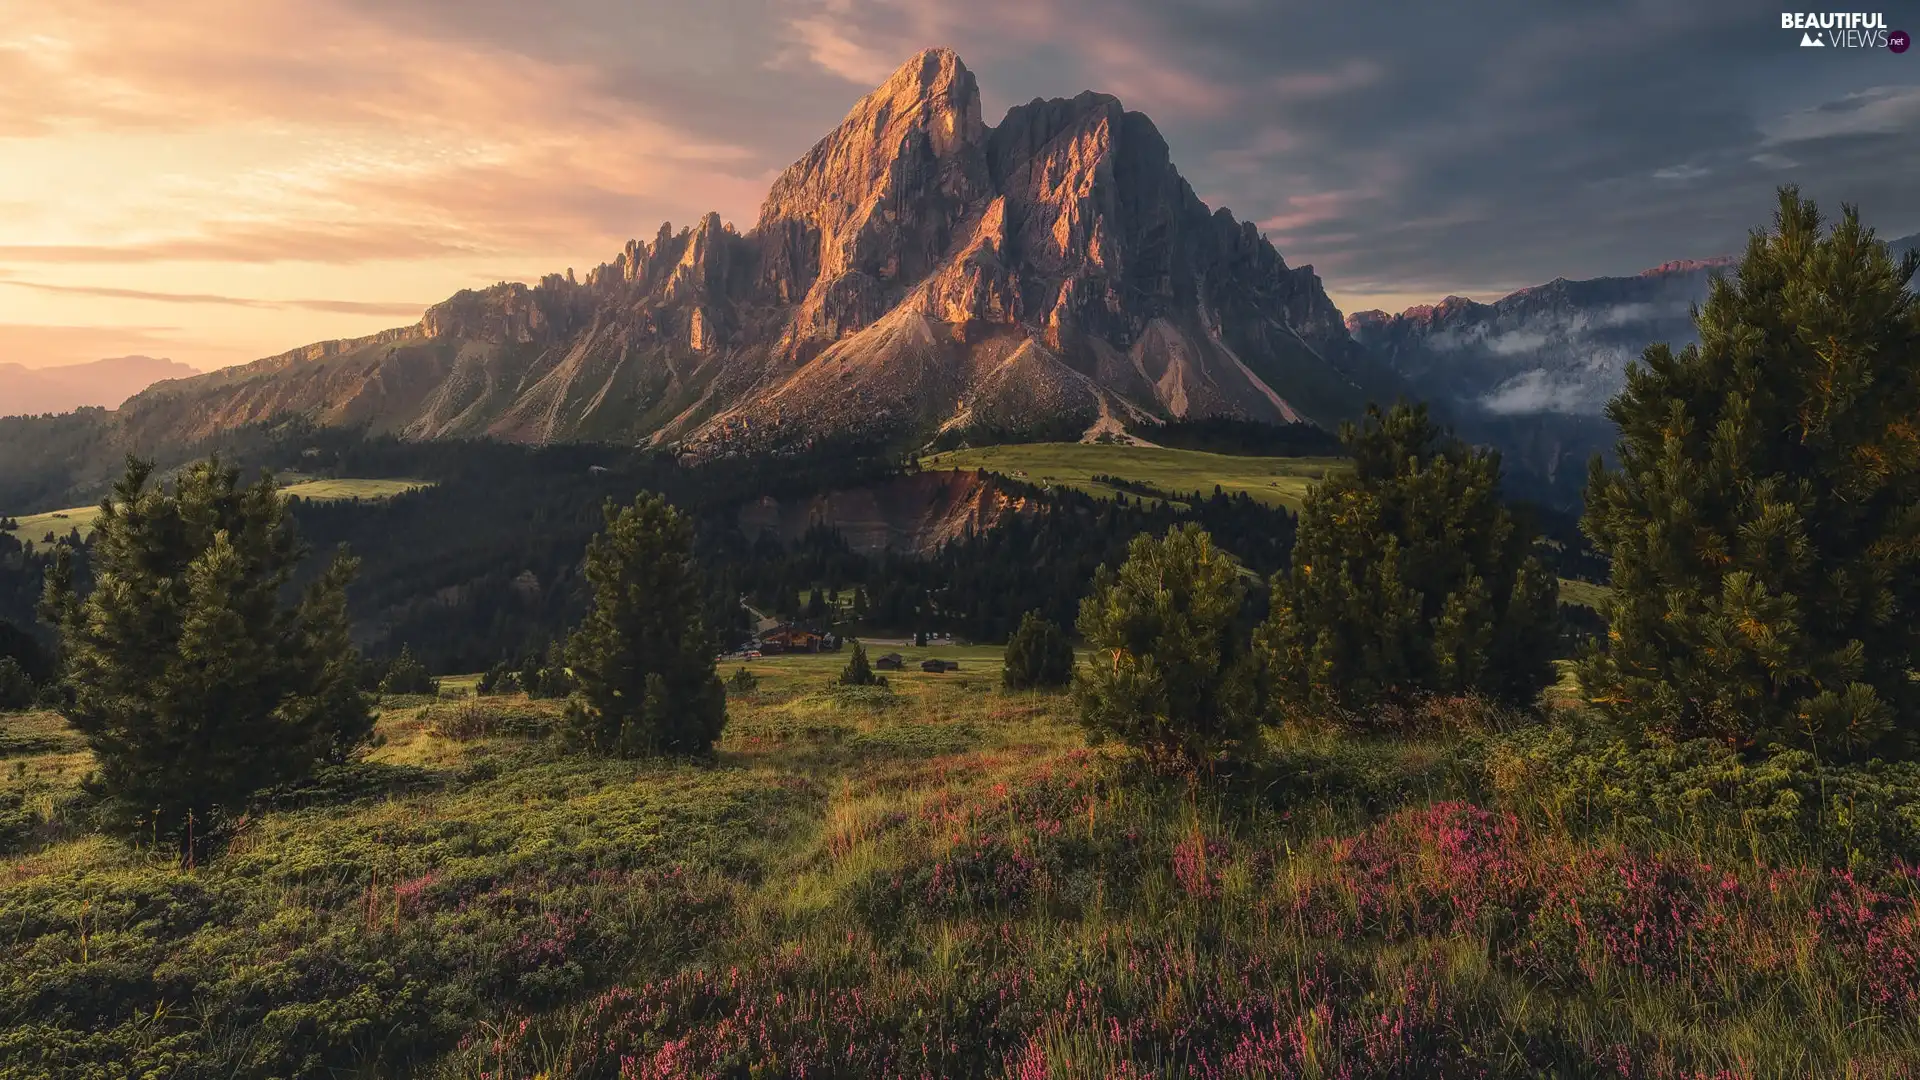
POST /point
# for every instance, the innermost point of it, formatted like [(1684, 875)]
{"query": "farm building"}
[(937, 666), (791, 639), (890, 662)]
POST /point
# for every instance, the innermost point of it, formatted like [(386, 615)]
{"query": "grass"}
[(35, 527), (1583, 593), (939, 879), (1274, 481)]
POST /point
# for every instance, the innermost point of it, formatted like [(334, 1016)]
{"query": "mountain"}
[(1532, 372), (916, 271), (28, 391)]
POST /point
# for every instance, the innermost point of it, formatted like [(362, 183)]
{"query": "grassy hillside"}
[(945, 880), (1275, 481), (1583, 593), (35, 527)]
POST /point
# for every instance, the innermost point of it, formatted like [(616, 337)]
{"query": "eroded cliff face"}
[(915, 270), (914, 514)]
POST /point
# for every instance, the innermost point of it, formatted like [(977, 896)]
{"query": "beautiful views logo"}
[(1844, 30)]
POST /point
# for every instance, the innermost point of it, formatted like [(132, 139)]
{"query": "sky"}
[(219, 180)]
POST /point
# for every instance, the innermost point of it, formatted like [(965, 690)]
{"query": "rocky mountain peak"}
[(913, 271)]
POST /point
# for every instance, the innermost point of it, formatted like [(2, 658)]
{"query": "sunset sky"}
[(216, 181)]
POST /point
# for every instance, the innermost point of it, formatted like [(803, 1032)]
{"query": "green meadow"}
[(1274, 481), (35, 527), (941, 878)]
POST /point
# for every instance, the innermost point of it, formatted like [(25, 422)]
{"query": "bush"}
[(1038, 654), (1168, 675), (743, 681), (1785, 805), (16, 688), (642, 662), (1766, 582), (1410, 577), (858, 672), (407, 675), (501, 678)]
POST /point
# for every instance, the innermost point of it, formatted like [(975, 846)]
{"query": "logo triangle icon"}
[(1808, 41)]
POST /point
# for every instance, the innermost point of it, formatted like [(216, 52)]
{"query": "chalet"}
[(791, 639), (937, 666), (890, 662)]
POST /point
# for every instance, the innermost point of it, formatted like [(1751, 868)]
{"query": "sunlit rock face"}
[(916, 270)]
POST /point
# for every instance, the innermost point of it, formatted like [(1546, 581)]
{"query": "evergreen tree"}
[(1410, 576), (194, 684), (1038, 655), (816, 604), (1764, 524), (16, 686), (858, 672), (407, 675), (501, 678), (1167, 673), (642, 663)]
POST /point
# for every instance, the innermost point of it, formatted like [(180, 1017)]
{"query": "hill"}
[(1151, 472), (102, 383), (916, 270)]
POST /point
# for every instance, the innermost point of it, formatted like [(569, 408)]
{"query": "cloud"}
[(347, 307), (1403, 149)]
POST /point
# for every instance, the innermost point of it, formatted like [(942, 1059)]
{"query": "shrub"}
[(743, 681), (858, 672), (501, 678), (16, 688), (193, 682), (1167, 675), (642, 662), (1038, 654), (1410, 577), (1762, 523), (407, 675)]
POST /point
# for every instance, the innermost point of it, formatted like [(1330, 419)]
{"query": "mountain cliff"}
[(916, 270)]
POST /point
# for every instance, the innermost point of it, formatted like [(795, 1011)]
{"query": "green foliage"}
[(744, 681), (194, 684), (1038, 655), (1784, 805), (858, 672), (1764, 525), (642, 662), (407, 675), (1167, 673), (1410, 576), (501, 678), (16, 687)]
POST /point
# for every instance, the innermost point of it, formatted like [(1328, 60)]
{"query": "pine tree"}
[(407, 675), (1038, 655), (1409, 576), (1168, 674), (642, 663), (16, 686), (1764, 524), (858, 672), (193, 683)]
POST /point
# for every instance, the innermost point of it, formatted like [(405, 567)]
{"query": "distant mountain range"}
[(1532, 371), (916, 271), (26, 391)]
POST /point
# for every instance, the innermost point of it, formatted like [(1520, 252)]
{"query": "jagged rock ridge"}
[(915, 270)]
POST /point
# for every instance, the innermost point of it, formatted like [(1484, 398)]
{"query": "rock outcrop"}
[(915, 271)]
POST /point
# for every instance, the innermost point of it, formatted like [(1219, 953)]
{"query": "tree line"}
[(1763, 530)]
